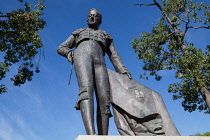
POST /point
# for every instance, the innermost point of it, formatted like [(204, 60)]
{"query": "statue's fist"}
[(70, 56)]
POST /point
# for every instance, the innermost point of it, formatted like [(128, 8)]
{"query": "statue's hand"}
[(70, 56), (129, 75)]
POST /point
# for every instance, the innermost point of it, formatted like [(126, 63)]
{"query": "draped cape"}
[(137, 109)]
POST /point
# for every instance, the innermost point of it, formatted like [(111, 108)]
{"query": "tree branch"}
[(171, 34), (145, 4), (182, 19), (186, 26), (6, 31), (179, 39), (4, 15), (158, 5), (8, 15), (207, 27)]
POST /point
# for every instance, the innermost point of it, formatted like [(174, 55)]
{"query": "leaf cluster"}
[(192, 11), (20, 41)]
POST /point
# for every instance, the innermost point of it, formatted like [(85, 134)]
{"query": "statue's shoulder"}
[(78, 31), (106, 34)]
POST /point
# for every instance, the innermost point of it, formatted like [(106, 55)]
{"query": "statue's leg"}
[(87, 113), (84, 74), (103, 99), (102, 123)]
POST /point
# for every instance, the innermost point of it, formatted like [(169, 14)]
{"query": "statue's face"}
[(94, 19)]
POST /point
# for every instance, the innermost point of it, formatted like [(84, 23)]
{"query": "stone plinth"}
[(87, 137)]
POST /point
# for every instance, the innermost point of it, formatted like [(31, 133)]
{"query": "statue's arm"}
[(116, 60), (65, 49)]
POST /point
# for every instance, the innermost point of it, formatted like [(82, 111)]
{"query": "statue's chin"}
[(93, 25)]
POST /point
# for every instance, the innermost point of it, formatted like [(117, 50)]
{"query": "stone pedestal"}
[(88, 137)]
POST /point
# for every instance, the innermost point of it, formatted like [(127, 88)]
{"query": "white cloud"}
[(17, 109), (7, 131), (13, 126)]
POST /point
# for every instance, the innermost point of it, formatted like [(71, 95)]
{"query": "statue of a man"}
[(91, 46)]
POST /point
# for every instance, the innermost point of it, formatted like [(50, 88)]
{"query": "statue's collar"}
[(92, 29)]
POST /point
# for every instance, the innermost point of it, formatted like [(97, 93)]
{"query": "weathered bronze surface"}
[(91, 45), (133, 116), (138, 110)]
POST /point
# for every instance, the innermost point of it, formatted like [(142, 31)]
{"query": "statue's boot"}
[(87, 111), (103, 123)]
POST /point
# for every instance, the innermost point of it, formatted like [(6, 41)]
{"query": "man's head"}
[(94, 18)]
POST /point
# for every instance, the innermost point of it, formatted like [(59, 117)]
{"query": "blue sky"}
[(43, 109)]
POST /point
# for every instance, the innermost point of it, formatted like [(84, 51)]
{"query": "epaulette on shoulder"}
[(107, 34), (78, 31)]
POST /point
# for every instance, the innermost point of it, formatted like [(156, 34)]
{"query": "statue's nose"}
[(92, 18)]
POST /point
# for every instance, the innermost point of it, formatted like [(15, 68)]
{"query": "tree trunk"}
[(206, 96)]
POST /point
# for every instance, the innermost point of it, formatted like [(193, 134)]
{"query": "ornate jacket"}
[(104, 40)]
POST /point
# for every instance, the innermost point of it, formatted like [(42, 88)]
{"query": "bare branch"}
[(4, 15), (155, 3), (158, 5), (161, 9), (145, 4), (182, 19), (186, 26), (8, 15), (171, 34), (207, 27)]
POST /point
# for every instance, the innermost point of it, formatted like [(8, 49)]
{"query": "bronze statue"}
[(138, 110), (91, 45)]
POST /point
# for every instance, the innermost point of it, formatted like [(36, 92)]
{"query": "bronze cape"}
[(138, 110)]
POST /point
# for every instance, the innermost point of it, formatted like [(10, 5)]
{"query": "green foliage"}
[(165, 48), (205, 134), (20, 41)]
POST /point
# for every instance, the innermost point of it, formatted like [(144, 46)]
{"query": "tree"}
[(166, 48), (205, 134), (20, 41)]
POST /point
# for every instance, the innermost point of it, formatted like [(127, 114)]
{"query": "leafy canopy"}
[(165, 48), (20, 41)]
